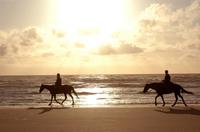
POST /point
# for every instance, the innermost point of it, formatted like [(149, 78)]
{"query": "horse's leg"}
[(75, 92), (163, 100), (182, 99), (56, 99), (72, 98), (51, 100), (156, 99), (65, 98), (175, 100)]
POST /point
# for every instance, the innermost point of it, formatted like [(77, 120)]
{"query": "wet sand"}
[(138, 119)]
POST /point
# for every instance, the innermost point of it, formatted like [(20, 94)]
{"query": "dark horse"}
[(64, 89), (161, 89)]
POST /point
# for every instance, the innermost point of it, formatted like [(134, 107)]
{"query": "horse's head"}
[(146, 88), (41, 88)]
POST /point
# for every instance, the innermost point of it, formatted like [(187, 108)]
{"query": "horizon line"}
[(95, 74)]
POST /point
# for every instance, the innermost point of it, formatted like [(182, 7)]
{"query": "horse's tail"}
[(74, 92), (185, 91)]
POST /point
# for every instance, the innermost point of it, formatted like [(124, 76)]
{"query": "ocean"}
[(94, 90)]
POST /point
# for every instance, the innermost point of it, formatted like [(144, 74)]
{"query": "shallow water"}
[(94, 90)]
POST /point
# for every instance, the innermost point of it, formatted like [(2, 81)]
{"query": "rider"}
[(58, 82), (167, 79)]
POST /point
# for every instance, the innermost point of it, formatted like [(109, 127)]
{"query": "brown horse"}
[(161, 89), (64, 89)]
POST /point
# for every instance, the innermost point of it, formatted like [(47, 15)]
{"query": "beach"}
[(107, 103), (101, 119)]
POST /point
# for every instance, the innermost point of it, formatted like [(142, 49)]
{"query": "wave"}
[(85, 93), (108, 98), (98, 89)]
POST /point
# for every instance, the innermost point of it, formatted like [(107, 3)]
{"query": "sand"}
[(133, 119)]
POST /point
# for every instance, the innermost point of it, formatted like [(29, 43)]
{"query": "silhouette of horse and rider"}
[(166, 87), (58, 88)]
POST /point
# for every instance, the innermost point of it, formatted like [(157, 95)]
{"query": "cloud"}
[(129, 49), (169, 36), (34, 45), (162, 27), (79, 45), (123, 48), (47, 54), (58, 33), (3, 50), (22, 43), (30, 36), (106, 50), (3, 45), (17, 43)]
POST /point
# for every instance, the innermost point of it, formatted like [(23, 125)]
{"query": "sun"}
[(103, 14), (90, 21)]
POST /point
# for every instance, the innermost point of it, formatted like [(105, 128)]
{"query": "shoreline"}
[(151, 106), (98, 106)]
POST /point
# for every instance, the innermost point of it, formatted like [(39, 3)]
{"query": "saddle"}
[(168, 85), (57, 87)]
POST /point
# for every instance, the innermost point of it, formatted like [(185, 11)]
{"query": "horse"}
[(161, 88), (64, 89)]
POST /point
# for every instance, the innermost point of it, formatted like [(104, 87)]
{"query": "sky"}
[(99, 36)]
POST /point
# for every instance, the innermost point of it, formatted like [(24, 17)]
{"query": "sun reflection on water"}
[(96, 96), (91, 100)]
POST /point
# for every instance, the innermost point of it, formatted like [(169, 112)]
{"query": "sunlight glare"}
[(90, 13), (103, 16)]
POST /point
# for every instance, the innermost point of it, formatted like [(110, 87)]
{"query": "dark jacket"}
[(58, 81), (167, 78)]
